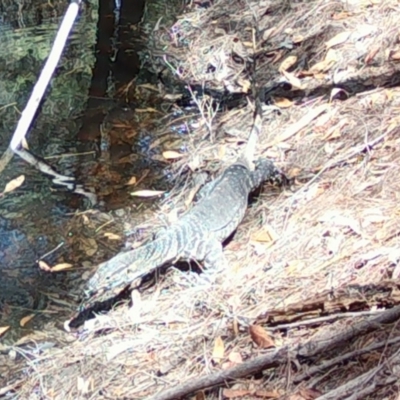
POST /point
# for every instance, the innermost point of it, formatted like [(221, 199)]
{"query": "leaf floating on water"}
[(44, 266), (147, 193), (3, 330), (219, 350), (61, 267), (14, 184), (171, 155), (132, 181), (112, 236), (25, 320)]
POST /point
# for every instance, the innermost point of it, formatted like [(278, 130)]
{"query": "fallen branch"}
[(346, 301), (40, 87), (348, 356), (320, 344), (366, 383)]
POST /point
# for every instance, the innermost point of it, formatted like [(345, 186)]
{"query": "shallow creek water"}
[(84, 129)]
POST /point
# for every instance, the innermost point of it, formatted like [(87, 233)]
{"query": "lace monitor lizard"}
[(199, 233)]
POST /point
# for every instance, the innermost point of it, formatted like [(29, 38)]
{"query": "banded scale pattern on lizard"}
[(197, 236)]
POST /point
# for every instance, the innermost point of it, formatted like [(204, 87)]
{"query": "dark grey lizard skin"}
[(197, 236)]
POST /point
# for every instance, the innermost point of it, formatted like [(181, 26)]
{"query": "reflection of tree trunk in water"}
[(126, 65), (114, 36), (101, 71), (105, 29)]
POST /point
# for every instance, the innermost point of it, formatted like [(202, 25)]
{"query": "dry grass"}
[(337, 226)]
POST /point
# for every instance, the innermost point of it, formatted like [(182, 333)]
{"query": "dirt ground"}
[(309, 308)]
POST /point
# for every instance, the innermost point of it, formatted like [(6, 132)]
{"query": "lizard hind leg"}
[(210, 253), (214, 259), (214, 262)]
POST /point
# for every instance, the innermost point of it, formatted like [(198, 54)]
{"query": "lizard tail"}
[(267, 171), (250, 149)]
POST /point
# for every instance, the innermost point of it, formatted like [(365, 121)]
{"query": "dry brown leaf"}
[(61, 267), (394, 55), (219, 350), (293, 172), (297, 39), (332, 134), (282, 102), (14, 184), (112, 236), (171, 155), (309, 394), (44, 266), (294, 267), (88, 245), (149, 86), (26, 319), (200, 396), (268, 394), (266, 235), (329, 60), (260, 337), (338, 39), (299, 125), (371, 55), (235, 393), (295, 396), (341, 15), (296, 82), (268, 33), (245, 84), (261, 236), (3, 330), (147, 193), (235, 357), (287, 63), (148, 109), (221, 152), (132, 181), (331, 55)]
